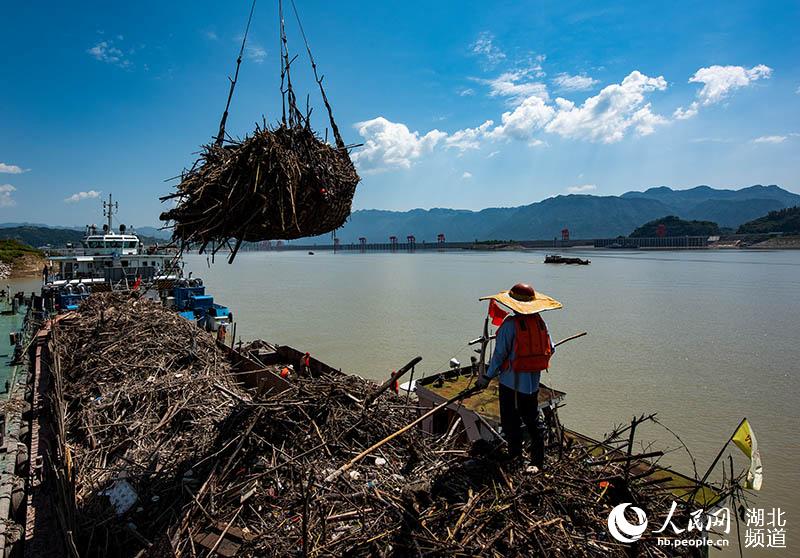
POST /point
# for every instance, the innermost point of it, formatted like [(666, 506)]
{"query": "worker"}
[(522, 350)]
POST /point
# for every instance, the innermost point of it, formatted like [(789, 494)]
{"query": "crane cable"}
[(339, 142), (221, 134)]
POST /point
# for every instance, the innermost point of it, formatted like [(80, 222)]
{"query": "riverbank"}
[(779, 243), (19, 260)]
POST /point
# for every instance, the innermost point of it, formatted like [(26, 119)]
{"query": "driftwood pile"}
[(279, 183), (144, 390), (222, 471)]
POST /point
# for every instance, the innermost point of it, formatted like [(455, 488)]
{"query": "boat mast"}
[(108, 210)]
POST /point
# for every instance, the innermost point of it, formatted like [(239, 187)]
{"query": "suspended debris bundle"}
[(281, 182)]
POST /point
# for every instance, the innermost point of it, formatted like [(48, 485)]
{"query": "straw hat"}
[(522, 299)]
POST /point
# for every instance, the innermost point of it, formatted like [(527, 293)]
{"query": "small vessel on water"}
[(118, 260), (557, 259)]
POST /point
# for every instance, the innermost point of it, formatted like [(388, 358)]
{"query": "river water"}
[(702, 338)]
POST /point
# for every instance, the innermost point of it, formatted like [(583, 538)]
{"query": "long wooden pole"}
[(570, 338), (388, 383), (344, 468), (714, 463)]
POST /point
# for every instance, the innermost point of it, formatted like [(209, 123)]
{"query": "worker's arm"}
[(503, 345)]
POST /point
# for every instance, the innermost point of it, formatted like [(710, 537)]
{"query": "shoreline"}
[(23, 267)]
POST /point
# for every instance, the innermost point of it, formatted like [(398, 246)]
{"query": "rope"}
[(287, 94), (221, 134), (339, 142)]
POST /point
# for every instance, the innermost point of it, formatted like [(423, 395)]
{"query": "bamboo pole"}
[(344, 468)]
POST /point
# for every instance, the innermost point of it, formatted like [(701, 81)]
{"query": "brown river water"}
[(703, 338)]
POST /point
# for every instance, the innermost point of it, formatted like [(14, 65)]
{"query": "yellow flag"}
[(745, 439)]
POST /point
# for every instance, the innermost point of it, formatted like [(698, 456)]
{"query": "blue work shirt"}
[(523, 382)]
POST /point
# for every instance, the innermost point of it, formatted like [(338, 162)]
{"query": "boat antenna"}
[(109, 209)]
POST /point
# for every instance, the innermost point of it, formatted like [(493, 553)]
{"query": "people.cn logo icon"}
[(621, 529)]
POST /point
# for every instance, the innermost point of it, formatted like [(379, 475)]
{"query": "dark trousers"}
[(515, 409)]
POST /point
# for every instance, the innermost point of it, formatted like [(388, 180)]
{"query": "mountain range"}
[(586, 216)]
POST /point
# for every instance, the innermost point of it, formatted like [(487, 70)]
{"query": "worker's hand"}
[(482, 382)]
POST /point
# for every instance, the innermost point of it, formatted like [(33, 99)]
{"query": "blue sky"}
[(459, 104)]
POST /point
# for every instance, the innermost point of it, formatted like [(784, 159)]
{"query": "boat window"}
[(124, 263), (95, 243), (130, 244)]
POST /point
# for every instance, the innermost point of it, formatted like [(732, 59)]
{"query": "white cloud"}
[(718, 84), (466, 175), (686, 113), (256, 53), (582, 82), (485, 48), (516, 86), (79, 196), (105, 51), (5, 195), (211, 36), (770, 139), (719, 81), (466, 92), (710, 140), (492, 154), (11, 169), (468, 138), (582, 188), (609, 115), (391, 144), (531, 115)]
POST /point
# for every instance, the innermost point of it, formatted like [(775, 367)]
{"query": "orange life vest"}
[(532, 348)]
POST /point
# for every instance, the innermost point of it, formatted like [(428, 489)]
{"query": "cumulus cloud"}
[(582, 188), (531, 115), (719, 82), (770, 139), (11, 169), (468, 138), (610, 114), (6, 200), (582, 82), (105, 51), (80, 196), (391, 144), (485, 48), (466, 176), (618, 110), (686, 113)]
